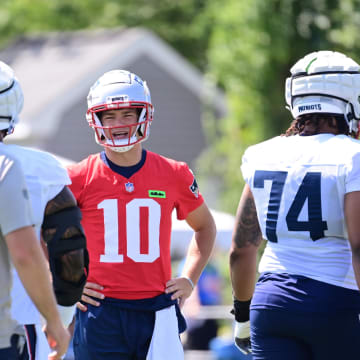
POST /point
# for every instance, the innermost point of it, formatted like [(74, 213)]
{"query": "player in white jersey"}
[(56, 218), (45, 178), (302, 195)]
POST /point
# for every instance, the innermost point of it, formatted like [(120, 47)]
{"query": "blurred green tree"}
[(251, 50), (246, 47), (181, 23)]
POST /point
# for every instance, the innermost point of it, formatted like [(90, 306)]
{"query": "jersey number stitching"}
[(133, 235), (309, 189)]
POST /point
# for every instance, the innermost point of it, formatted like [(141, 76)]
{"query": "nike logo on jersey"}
[(91, 315)]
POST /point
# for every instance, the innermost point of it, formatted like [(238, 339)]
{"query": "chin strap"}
[(351, 121)]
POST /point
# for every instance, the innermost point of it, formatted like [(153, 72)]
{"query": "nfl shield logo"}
[(129, 187)]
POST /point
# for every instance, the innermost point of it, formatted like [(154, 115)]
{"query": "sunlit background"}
[(216, 70)]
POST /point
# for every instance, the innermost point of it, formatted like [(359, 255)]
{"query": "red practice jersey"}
[(127, 222)]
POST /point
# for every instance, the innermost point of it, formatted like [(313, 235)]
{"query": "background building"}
[(56, 71)]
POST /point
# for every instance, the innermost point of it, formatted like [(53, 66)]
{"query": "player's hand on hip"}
[(181, 289), (242, 336), (91, 292), (58, 338)]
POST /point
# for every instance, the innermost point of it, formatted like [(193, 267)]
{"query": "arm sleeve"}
[(13, 192), (189, 196)]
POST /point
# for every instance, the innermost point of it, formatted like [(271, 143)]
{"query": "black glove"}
[(242, 325)]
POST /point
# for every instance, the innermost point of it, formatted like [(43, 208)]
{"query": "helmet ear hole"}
[(138, 111), (100, 115)]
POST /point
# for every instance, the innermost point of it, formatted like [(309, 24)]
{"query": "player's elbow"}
[(239, 254)]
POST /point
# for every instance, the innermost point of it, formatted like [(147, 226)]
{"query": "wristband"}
[(190, 281), (241, 310)]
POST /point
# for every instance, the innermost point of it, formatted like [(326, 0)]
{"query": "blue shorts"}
[(283, 335), (11, 353), (117, 329), (300, 319)]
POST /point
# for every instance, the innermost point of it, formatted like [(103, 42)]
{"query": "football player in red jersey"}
[(130, 305)]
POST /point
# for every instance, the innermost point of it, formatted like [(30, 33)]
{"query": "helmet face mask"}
[(119, 90), (325, 82)]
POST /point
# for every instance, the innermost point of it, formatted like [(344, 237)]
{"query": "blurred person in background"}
[(201, 331)]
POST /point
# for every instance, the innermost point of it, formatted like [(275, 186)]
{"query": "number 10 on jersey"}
[(133, 231)]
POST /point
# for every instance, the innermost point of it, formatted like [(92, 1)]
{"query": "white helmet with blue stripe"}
[(11, 98), (325, 82)]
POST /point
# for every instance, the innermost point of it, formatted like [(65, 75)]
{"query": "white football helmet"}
[(325, 82), (119, 89), (11, 98)]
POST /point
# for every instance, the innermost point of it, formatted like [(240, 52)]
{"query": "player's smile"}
[(120, 134)]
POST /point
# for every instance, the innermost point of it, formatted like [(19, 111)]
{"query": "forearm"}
[(36, 280), (243, 272), (246, 240), (198, 254), (29, 261)]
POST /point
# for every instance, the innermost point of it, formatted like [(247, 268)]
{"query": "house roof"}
[(56, 69)]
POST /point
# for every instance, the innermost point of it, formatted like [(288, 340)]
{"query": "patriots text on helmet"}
[(111, 99), (309, 107)]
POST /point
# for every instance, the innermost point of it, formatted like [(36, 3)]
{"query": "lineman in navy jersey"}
[(302, 195)]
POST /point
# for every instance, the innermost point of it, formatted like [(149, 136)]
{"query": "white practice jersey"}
[(299, 184), (45, 177)]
